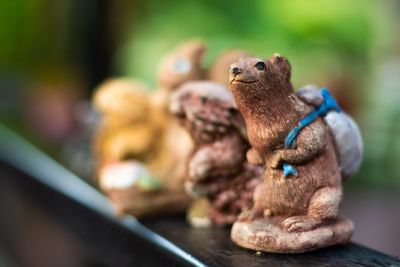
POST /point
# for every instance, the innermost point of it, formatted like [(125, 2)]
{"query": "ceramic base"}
[(266, 235)]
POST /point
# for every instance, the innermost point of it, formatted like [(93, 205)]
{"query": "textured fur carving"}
[(217, 167), (265, 97)]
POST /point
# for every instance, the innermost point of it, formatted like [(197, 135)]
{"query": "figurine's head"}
[(218, 71), (182, 65), (206, 109), (122, 101), (254, 77)]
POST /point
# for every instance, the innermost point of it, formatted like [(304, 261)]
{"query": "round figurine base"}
[(153, 204), (266, 235)]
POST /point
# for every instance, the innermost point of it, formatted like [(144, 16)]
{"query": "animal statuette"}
[(217, 169), (133, 159), (296, 207)]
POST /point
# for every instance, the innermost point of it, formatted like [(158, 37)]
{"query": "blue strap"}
[(327, 105)]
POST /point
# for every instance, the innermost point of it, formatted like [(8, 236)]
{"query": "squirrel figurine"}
[(217, 169), (296, 207), (130, 151)]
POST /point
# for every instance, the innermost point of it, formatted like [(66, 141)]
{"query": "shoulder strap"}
[(320, 111)]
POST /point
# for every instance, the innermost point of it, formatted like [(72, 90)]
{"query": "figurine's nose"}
[(236, 71)]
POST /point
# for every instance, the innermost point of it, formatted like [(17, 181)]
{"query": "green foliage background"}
[(314, 35), (353, 45), (324, 40)]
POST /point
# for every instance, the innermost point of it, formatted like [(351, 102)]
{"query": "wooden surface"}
[(214, 248), (42, 227), (51, 218)]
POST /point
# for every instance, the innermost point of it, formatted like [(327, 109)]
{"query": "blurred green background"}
[(53, 53)]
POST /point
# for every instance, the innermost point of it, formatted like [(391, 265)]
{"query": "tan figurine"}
[(134, 166), (183, 64), (217, 169), (126, 117), (296, 208)]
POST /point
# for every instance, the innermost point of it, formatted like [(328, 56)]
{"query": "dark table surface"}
[(214, 248), (51, 218)]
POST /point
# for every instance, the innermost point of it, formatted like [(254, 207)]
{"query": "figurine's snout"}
[(236, 71), (241, 73)]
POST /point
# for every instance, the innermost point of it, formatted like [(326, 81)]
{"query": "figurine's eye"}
[(260, 65), (232, 111), (181, 66)]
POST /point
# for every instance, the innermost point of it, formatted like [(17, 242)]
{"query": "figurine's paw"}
[(199, 167), (250, 215), (254, 157), (299, 223), (276, 160), (267, 213)]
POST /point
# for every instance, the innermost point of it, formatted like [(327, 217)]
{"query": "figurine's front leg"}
[(254, 157), (223, 157), (259, 209), (324, 206), (201, 164), (310, 142)]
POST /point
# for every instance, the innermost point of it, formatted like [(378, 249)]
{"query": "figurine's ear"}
[(282, 64), (194, 51)]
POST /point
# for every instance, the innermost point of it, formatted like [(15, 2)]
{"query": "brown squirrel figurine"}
[(296, 212), (217, 168)]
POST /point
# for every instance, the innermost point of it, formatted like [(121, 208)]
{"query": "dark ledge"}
[(214, 248), (46, 193)]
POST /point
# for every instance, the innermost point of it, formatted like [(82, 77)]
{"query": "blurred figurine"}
[(126, 118), (178, 66), (185, 63), (136, 129), (217, 169), (296, 208), (132, 161)]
